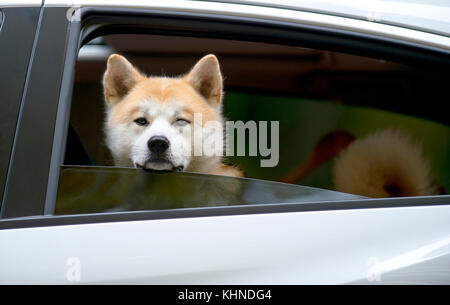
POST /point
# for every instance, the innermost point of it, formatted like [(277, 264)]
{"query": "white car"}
[(63, 224)]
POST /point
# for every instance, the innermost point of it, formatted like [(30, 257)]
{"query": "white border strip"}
[(276, 14), (20, 3)]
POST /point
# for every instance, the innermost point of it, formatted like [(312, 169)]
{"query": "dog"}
[(386, 163), (150, 121)]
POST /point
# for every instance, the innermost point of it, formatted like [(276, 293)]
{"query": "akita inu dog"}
[(149, 120)]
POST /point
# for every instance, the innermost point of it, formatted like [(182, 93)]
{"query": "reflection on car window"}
[(106, 189)]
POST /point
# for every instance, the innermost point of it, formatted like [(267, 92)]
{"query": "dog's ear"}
[(119, 78), (206, 79)]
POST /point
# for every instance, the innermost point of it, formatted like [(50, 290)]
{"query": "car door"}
[(330, 240)]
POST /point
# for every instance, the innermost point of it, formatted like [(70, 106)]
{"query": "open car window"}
[(320, 101)]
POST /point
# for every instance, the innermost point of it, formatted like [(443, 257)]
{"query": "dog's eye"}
[(182, 122), (141, 121)]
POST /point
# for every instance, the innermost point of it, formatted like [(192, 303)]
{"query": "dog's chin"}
[(159, 166)]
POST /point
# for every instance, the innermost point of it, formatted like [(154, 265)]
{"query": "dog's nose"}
[(158, 144)]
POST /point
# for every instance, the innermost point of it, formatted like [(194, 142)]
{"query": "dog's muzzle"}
[(158, 160)]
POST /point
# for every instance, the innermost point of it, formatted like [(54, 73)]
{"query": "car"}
[(66, 217)]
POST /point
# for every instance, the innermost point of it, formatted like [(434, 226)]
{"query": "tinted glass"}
[(106, 189), (17, 28)]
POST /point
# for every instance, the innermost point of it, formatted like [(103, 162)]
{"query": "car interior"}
[(313, 93)]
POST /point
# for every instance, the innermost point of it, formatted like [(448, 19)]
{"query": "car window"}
[(1, 19), (321, 101)]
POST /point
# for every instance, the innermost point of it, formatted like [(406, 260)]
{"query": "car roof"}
[(426, 15), (20, 3), (416, 21)]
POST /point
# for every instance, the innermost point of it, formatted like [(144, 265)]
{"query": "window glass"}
[(109, 189)]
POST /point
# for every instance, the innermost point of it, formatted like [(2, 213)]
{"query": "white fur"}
[(384, 164), (128, 142)]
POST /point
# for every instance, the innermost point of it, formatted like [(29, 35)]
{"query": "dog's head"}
[(150, 120)]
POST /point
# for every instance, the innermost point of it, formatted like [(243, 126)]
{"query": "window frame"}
[(62, 42)]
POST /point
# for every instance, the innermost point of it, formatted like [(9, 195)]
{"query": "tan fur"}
[(200, 91), (162, 90), (120, 77), (206, 79), (387, 163), (228, 170)]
